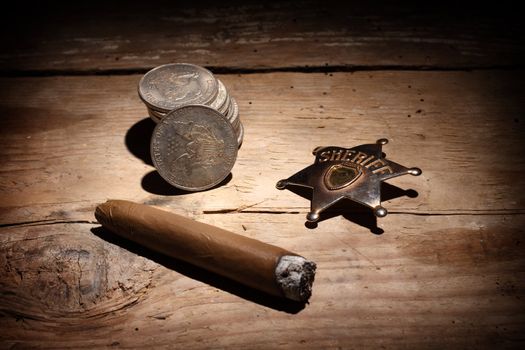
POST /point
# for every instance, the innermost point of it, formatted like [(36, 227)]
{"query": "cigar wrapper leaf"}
[(256, 264)]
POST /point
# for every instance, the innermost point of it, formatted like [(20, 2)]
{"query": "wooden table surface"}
[(445, 268)]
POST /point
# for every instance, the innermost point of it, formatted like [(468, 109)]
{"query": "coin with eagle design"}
[(194, 147)]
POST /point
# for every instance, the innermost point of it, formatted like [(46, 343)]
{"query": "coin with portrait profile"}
[(170, 86)]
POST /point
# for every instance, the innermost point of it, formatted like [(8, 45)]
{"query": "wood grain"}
[(332, 35), (463, 129), (397, 290), (447, 269)]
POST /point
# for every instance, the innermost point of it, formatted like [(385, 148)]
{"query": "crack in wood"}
[(460, 213), (241, 211), (46, 222), (80, 303), (448, 213)]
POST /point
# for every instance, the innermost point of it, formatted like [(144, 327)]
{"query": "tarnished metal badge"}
[(354, 173)]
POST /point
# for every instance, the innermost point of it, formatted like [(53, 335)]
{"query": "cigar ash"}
[(295, 276)]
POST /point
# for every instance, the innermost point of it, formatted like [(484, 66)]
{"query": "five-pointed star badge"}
[(355, 173)]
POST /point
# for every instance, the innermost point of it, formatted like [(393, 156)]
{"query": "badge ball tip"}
[(280, 185), (380, 212), (414, 171), (312, 216)]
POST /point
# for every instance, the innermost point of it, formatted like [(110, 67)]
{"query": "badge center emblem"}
[(339, 176)]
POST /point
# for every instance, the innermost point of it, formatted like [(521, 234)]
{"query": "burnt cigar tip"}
[(295, 276)]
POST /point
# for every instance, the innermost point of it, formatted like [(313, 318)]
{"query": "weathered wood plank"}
[(449, 261), (60, 149), (64, 286), (246, 35)]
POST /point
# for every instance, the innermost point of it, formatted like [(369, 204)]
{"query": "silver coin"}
[(194, 147), (241, 135), (224, 108), (155, 119), (221, 96), (157, 113), (235, 119), (156, 116), (174, 85), (233, 110), (236, 124), (229, 109)]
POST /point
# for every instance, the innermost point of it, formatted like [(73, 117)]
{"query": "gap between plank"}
[(240, 70), (48, 222)]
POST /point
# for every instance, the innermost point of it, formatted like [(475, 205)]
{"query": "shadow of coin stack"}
[(194, 145)]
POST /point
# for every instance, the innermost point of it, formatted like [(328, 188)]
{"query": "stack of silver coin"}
[(195, 142), (171, 86)]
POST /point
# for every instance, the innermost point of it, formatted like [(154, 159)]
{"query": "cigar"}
[(256, 264)]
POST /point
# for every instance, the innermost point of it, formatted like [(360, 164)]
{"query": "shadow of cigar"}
[(197, 273)]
